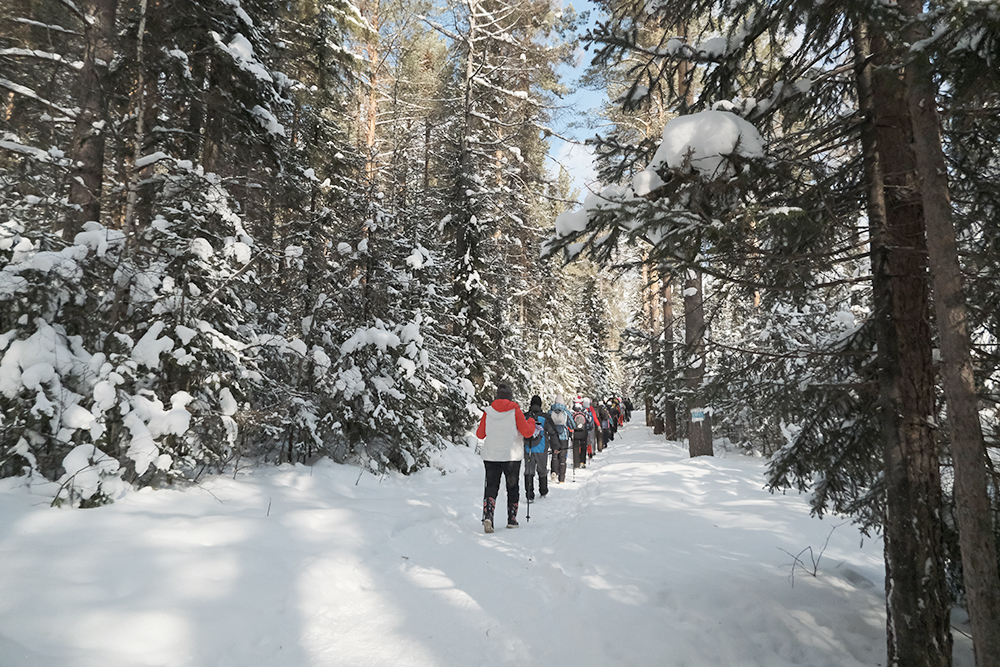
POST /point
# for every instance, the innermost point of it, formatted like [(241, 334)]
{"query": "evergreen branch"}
[(41, 55), (30, 94), (47, 26)]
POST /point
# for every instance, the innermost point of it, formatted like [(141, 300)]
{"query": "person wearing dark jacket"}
[(502, 429), (536, 453), (557, 436), (604, 420), (582, 424)]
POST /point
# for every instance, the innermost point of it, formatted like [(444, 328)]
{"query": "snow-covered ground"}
[(648, 558)]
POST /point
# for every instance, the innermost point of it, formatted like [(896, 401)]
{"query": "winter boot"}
[(512, 515), (489, 504)]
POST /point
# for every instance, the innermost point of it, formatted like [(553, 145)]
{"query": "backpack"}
[(536, 437), (580, 420), (559, 419)]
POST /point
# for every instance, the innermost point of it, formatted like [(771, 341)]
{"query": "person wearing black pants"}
[(511, 470), (535, 453), (582, 423), (557, 437), (580, 448), (502, 429)]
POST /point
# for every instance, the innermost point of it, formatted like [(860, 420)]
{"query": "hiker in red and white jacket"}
[(503, 429)]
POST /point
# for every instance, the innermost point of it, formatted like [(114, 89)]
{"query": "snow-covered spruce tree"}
[(548, 308), (206, 133), (387, 385), (416, 190), (593, 312), (304, 206), (504, 55)]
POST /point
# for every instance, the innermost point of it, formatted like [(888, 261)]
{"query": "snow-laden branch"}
[(36, 153), (42, 55), (444, 31), (516, 94), (29, 93), (46, 26)]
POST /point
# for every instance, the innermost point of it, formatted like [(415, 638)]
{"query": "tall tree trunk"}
[(655, 332), (196, 110), (87, 147), (699, 422), (918, 633), (131, 228), (427, 154), (669, 405), (975, 522), (647, 307), (369, 104)]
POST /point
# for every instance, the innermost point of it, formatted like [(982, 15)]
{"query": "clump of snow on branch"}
[(700, 142)]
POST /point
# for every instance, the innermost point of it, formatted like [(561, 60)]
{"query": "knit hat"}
[(504, 391), (536, 400), (559, 399), (586, 402)]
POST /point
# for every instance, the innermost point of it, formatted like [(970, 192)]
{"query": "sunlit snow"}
[(648, 557)]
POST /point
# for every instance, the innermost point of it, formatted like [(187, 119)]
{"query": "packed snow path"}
[(648, 558)]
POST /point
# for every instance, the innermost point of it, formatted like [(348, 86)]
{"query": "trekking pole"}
[(527, 498)]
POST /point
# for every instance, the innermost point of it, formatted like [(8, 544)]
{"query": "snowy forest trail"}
[(649, 558)]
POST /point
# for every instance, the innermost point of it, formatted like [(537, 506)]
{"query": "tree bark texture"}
[(975, 522), (655, 332), (699, 423), (647, 306), (669, 405), (918, 631), (87, 146)]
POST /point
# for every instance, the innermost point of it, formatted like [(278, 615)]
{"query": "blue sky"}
[(576, 158)]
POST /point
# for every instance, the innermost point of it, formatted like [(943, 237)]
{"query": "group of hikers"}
[(510, 436)]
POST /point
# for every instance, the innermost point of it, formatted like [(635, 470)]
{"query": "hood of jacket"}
[(503, 405)]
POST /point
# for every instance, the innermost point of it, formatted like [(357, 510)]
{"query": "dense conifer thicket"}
[(275, 230)]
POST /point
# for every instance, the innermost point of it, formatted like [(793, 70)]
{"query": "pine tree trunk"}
[(655, 334), (918, 633), (647, 307), (87, 147), (669, 406), (196, 110), (139, 137), (975, 525), (699, 422)]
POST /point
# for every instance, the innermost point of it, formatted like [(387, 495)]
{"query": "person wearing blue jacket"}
[(536, 453), (558, 431)]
